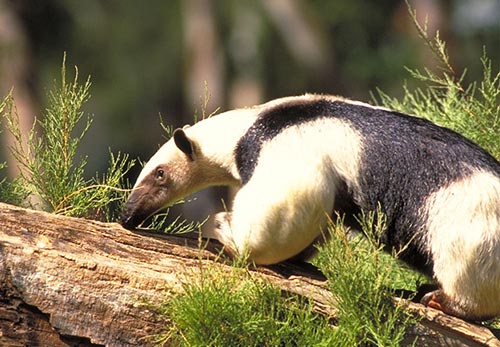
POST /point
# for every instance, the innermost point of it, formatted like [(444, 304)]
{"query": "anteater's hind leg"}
[(464, 242)]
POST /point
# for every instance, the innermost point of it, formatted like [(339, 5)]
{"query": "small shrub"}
[(51, 171), (361, 278), (233, 309), (10, 192), (472, 110)]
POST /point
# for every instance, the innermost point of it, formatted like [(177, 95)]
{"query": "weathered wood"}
[(439, 329), (74, 282)]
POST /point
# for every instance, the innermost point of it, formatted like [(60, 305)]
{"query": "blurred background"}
[(153, 57)]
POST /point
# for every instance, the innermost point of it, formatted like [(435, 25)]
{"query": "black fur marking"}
[(268, 125), (404, 159)]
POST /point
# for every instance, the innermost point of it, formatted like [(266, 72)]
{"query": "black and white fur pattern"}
[(298, 159)]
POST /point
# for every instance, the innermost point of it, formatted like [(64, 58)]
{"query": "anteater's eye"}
[(160, 173)]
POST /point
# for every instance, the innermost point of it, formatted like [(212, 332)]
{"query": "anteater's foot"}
[(222, 232), (440, 301)]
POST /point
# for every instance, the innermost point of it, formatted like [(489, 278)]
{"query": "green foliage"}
[(361, 278), (51, 170), (233, 309), (472, 110), (162, 221), (2, 165), (10, 192)]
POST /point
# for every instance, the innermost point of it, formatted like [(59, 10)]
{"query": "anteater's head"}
[(168, 176), (194, 158)]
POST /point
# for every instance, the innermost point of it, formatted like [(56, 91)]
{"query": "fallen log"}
[(75, 282)]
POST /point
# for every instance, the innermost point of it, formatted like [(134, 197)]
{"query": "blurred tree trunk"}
[(204, 87), (245, 86), (15, 72), (204, 60), (304, 43)]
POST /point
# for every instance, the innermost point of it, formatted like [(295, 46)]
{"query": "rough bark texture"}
[(74, 282)]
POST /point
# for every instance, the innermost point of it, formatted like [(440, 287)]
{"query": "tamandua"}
[(299, 159)]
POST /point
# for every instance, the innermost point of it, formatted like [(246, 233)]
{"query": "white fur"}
[(281, 209), (361, 103), (464, 240)]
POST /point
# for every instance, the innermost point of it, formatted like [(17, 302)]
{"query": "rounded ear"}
[(183, 143)]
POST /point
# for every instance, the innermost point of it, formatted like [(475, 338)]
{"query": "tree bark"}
[(74, 282)]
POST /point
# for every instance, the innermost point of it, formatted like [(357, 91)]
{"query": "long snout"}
[(130, 217), (134, 212), (130, 220), (142, 203)]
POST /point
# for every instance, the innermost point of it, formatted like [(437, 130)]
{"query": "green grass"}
[(232, 308), (363, 280)]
